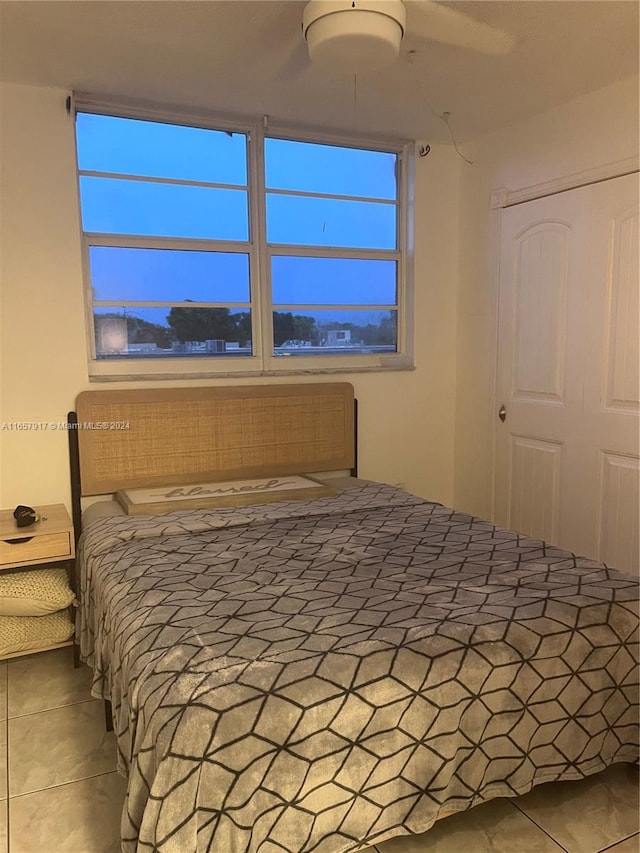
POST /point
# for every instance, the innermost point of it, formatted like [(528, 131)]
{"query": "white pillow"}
[(34, 592), (101, 509)]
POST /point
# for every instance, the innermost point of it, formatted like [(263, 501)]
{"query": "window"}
[(225, 249)]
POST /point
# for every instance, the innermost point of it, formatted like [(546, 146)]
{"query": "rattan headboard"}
[(133, 439)]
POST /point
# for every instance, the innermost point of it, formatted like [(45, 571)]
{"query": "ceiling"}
[(239, 57)]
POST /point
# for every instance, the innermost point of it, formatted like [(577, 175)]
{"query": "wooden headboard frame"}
[(140, 438)]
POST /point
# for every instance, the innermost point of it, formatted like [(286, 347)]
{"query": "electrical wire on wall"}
[(444, 117)]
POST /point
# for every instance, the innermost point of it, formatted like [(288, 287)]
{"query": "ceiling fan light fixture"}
[(354, 37)]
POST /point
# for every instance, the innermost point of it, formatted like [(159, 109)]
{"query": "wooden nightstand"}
[(48, 541)]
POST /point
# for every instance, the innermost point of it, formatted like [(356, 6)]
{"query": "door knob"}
[(502, 413)]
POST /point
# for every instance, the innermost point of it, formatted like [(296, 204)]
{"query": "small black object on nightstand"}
[(25, 515)]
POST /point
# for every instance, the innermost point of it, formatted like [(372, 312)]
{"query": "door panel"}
[(541, 267), (568, 371), (619, 510), (540, 364), (621, 354), (612, 382), (535, 482)]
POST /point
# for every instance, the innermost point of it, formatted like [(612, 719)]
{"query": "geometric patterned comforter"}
[(322, 675)]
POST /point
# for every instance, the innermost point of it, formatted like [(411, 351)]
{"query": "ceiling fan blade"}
[(431, 20)]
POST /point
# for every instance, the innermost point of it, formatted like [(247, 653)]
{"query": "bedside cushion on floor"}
[(30, 633), (34, 593)]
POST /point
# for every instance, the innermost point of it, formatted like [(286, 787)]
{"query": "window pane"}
[(304, 220), (345, 333), (132, 147), (309, 167), (337, 281), (115, 206), (167, 275), (178, 332)]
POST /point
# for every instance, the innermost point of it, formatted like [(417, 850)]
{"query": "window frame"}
[(263, 360)]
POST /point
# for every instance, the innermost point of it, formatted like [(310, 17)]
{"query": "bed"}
[(326, 673)]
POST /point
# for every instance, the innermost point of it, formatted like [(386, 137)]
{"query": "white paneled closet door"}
[(567, 452)]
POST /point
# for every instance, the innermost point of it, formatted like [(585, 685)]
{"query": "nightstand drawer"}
[(47, 546)]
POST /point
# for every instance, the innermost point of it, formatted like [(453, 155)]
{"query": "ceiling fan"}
[(355, 36)]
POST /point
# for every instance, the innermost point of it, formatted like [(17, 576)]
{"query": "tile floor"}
[(59, 792)]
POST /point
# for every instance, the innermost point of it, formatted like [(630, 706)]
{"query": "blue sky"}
[(113, 205)]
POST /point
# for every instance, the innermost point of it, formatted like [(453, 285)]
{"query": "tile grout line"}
[(621, 841), (48, 788), (541, 828), (62, 784), (55, 708), (7, 757), (530, 819)]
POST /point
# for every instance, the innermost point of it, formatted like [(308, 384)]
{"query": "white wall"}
[(406, 418), (590, 131), (41, 307), (430, 428)]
